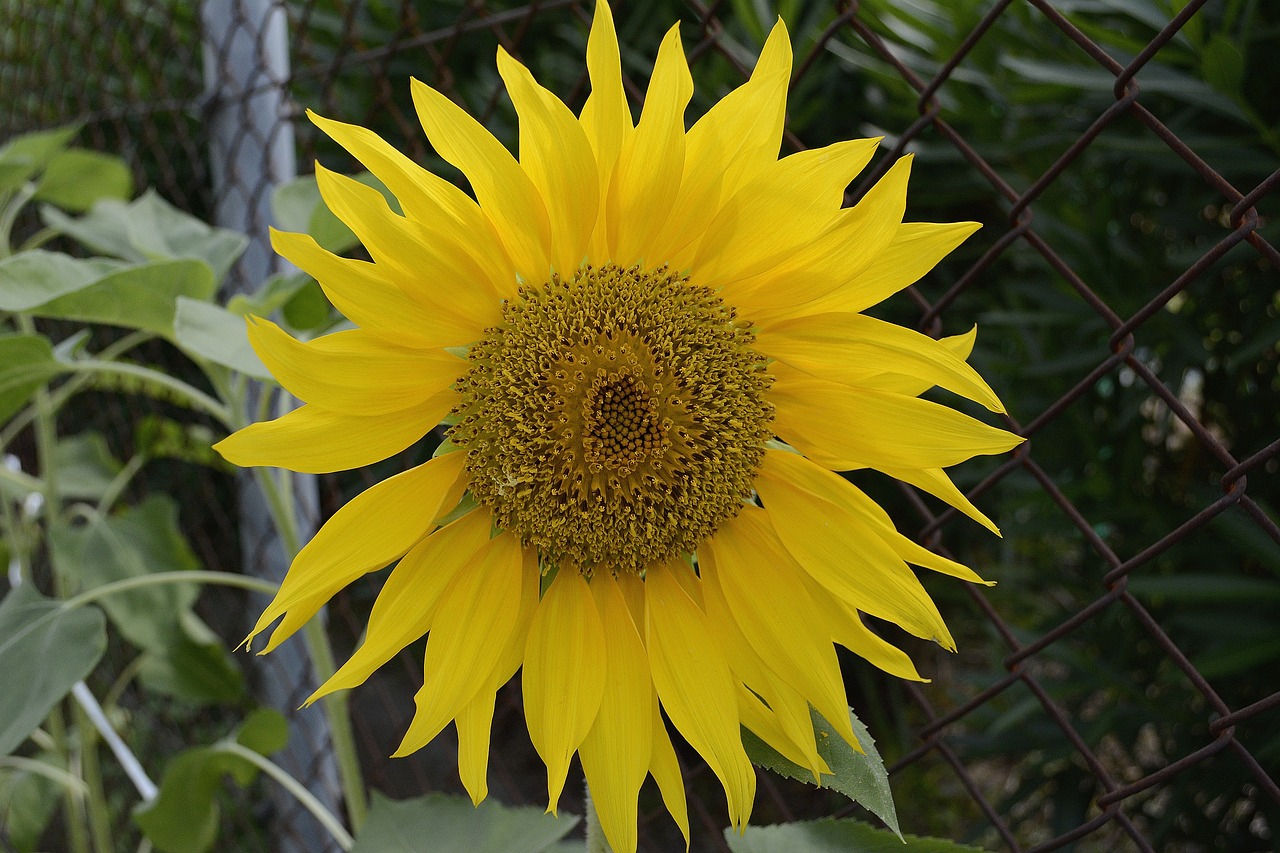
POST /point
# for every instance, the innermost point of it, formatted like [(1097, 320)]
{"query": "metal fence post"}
[(251, 150)]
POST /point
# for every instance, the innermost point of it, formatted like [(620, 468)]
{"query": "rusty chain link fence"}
[(1118, 689)]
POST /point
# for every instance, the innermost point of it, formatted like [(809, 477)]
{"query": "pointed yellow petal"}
[(474, 618), (428, 263), (646, 179), (846, 628), (615, 754), (367, 298), (504, 191), (827, 345), (961, 346), (312, 440), (369, 532), (353, 372), (843, 554), (762, 587), (556, 156), (847, 427), (474, 723), (779, 213), (695, 685), (936, 482), (665, 770), (564, 675), (735, 142), (764, 723), (425, 197), (915, 249), (404, 608), (605, 116)]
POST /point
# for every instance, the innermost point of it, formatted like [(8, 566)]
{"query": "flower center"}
[(614, 419)]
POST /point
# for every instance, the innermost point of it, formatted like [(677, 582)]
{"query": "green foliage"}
[(45, 648), (834, 836), (860, 776), (26, 363), (455, 826)]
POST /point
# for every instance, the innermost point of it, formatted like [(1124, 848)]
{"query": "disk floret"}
[(614, 419)]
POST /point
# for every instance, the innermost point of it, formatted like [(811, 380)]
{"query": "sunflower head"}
[(649, 346)]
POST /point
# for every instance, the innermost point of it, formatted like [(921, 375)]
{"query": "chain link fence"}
[(1117, 690)]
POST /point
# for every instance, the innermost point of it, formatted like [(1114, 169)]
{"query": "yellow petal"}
[(367, 298), (474, 618), (915, 249), (780, 212), (936, 482), (735, 142), (665, 770), (474, 723), (615, 754), (646, 179), (762, 586), (760, 720), (846, 628), (404, 608), (827, 345), (369, 532), (843, 554), (961, 346), (564, 675), (429, 264), (695, 685), (605, 116), (504, 191), (846, 427), (425, 197), (556, 156), (335, 371), (313, 440)]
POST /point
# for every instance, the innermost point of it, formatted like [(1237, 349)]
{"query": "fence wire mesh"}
[(1117, 689)]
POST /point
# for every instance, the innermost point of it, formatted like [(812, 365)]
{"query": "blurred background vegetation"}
[(1113, 470)]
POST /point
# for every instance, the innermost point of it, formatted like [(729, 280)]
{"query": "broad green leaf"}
[(214, 333), (104, 229), (141, 541), (160, 230), (28, 801), (308, 309), (35, 277), (834, 836), (139, 297), (184, 817), (85, 466), (77, 178), (455, 826), (202, 673), (26, 363), (1222, 64), (860, 776), (44, 650), (25, 155), (271, 296), (298, 207)]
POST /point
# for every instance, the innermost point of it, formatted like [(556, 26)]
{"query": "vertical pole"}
[(251, 151)]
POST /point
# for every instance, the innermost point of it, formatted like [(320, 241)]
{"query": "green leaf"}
[(158, 437), (454, 826), (271, 296), (28, 801), (202, 673), (138, 297), (44, 650), (1222, 64), (184, 817), (297, 206), (860, 776), (104, 229), (25, 155), (26, 363), (834, 836), (214, 333), (307, 309), (141, 541), (85, 466), (34, 277), (77, 178)]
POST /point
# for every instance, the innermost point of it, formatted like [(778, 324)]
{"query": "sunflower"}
[(648, 345)]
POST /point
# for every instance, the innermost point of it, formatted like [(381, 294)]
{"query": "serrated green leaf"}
[(834, 836), (44, 650), (26, 363), (455, 826), (860, 776), (77, 178), (214, 333), (138, 297)]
